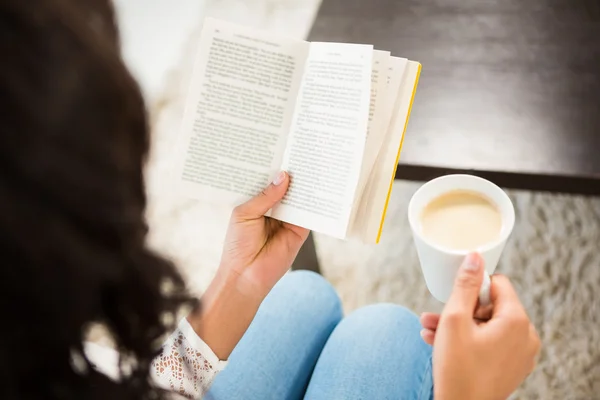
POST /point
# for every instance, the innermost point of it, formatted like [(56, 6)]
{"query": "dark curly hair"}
[(73, 140)]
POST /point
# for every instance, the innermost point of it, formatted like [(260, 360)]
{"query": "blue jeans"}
[(300, 347)]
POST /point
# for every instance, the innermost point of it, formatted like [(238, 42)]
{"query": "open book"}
[(332, 115)]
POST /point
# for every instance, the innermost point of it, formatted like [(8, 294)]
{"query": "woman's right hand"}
[(475, 360)]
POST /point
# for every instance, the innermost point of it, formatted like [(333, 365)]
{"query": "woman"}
[(73, 142)]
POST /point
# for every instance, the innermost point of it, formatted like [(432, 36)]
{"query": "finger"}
[(428, 336), (430, 320), (294, 237), (533, 349), (301, 233), (534, 340), (257, 206), (484, 313), (467, 284), (504, 298)]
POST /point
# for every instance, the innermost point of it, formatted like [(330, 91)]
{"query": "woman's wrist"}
[(226, 310)]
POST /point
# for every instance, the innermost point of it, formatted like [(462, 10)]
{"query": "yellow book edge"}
[(387, 200)]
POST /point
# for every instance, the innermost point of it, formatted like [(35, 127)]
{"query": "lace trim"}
[(187, 365)]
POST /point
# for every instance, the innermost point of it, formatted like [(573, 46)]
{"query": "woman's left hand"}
[(259, 250)]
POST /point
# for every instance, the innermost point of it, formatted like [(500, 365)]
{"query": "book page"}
[(385, 104), (326, 143), (238, 112), (395, 75), (379, 110), (379, 114), (380, 183)]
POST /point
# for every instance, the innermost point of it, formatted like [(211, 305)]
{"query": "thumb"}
[(257, 206), (467, 284)]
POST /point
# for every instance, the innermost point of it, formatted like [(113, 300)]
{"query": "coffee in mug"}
[(461, 220)]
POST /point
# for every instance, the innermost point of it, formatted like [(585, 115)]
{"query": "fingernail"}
[(279, 178), (423, 332), (472, 262)]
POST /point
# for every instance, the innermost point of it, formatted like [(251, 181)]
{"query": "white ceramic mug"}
[(439, 264)]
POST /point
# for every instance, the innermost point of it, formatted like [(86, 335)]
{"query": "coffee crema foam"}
[(461, 220)]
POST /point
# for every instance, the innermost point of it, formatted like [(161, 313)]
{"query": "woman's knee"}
[(309, 294), (382, 322), (382, 339)]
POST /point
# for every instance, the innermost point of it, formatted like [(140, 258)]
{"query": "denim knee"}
[(310, 295), (376, 352), (383, 321)]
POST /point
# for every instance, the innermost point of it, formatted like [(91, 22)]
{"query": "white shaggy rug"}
[(553, 258)]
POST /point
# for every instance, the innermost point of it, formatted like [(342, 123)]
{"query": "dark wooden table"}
[(510, 89)]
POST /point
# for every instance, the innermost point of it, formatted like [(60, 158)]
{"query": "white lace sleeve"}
[(187, 365)]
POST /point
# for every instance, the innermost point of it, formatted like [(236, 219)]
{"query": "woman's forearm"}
[(227, 308)]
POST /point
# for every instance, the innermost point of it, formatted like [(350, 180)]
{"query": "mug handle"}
[(484, 292)]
